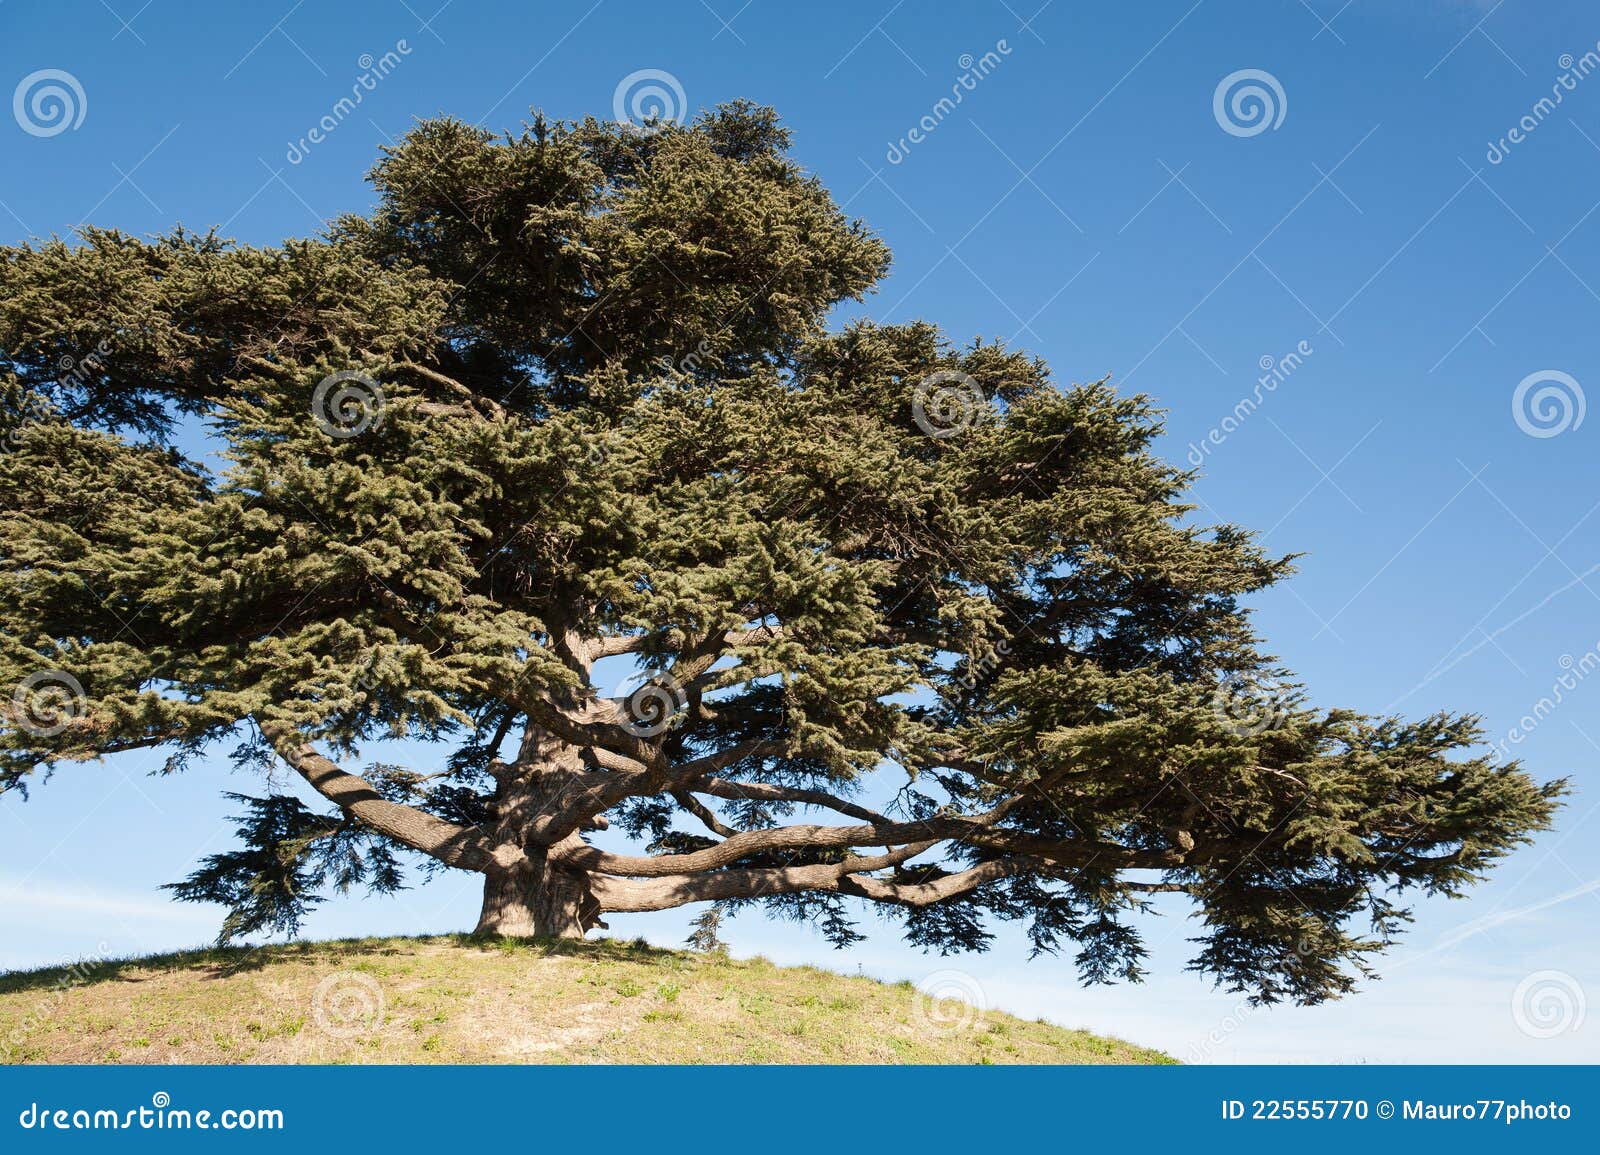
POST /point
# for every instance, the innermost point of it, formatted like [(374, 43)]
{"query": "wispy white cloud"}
[(33, 900), (1498, 918)]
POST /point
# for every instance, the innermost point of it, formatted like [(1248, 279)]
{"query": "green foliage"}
[(289, 855), (588, 395)]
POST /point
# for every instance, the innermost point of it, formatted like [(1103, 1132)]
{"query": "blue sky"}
[(1089, 198)]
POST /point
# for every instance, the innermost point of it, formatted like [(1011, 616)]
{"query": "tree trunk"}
[(533, 900)]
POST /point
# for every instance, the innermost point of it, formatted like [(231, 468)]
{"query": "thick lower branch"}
[(976, 830), (622, 895), (928, 893), (460, 846)]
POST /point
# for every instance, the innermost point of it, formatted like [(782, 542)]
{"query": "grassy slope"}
[(457, 999)]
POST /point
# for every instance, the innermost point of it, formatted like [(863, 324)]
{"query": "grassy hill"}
[(458, 999)]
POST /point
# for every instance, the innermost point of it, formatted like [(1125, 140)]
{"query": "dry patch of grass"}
[(459, 999)]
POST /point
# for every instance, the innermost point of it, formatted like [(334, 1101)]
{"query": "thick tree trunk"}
[(533, 899)]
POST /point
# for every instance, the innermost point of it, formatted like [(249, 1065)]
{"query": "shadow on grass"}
[(224, 962)]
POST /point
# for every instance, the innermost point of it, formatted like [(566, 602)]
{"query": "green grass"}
[(460, 999)]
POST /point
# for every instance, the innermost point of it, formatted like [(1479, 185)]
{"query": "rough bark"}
[(533, 896), (460, 846), (535, 899)]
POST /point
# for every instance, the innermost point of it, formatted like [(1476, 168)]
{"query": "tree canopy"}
[(552, 462)]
